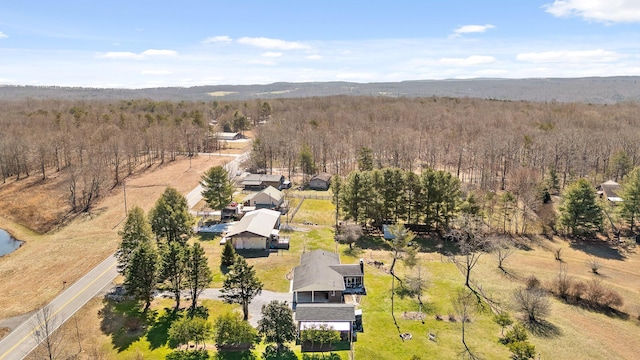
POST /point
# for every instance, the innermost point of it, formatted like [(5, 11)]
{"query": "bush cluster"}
[(592, 294)]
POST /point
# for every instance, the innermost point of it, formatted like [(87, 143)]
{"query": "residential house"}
[(320, 181), (338, 317), (268, 198), (227, 136), (256, 230), (262, 181), (609, 190), (320, 278)]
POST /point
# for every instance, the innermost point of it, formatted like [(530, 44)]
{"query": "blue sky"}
[(141, 43)]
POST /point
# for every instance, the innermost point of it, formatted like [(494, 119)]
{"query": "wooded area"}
[(488, 144)]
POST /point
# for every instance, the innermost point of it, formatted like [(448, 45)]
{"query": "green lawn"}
[(380, 339)]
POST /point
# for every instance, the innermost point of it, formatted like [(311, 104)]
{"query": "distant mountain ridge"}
[(597, 90)]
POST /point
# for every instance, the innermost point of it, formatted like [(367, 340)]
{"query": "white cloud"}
[(217, 39), (466, 29), (606, 11), (271, 54), (128, 55), (3, 35), (156, 52), (314, 57), (566, 56), (267, 43), (120, 55), (156, 72), (468, 61)]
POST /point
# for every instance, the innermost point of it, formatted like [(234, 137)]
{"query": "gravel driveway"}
[(255, 307)]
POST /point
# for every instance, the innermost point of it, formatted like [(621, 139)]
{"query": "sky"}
[(144, 43)]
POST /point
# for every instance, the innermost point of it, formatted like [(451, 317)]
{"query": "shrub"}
[(594, 265), (578, 290), (532, 282), (561, 286), (232, 331), (522, 350), (533, 303)]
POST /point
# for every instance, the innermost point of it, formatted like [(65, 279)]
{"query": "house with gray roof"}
[(268, 198), (320, 181), (258, 182), (256, 230), (609, 190), (320, 278)]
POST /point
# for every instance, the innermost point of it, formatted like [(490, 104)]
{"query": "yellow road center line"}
[(38, 326)]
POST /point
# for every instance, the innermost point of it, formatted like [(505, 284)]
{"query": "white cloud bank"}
[(127, 55), (276, 44), (3, 35), (217, 39), (607, 11), (468, 29)]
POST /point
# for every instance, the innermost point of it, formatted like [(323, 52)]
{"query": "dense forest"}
[(487, 144)]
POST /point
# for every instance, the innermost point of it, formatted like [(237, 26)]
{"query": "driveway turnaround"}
[(255, 307)]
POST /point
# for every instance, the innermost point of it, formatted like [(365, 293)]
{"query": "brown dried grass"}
[(34, 274)]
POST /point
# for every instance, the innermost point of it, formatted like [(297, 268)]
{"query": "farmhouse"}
[(320, 278), (609, 190), (320, 181), (256, 230), (262, 181), (268, 198), (339, 317)]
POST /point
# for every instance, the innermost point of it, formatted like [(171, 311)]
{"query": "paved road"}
[(255, 307), (20, 342)]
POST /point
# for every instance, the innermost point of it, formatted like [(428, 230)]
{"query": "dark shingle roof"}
[(320, 270), (325, 312)]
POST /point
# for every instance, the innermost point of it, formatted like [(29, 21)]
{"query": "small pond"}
[(7, 243)]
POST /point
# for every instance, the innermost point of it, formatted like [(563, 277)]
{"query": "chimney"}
[(362, 265)]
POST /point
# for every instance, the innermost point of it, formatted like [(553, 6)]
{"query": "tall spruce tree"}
[(198, 273), (241, 285), (142, 274), (579, 212), (136, 230), (630, 206), (170, 218), (217, 188), (173, 269)]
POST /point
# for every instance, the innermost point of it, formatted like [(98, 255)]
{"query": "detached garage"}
[(255, 230)]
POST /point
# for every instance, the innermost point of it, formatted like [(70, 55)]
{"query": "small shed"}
[(320, 181)]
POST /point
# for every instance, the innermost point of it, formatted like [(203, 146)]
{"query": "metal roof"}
[(260, 222)]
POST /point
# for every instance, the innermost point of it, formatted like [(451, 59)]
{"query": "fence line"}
[(293, 213)]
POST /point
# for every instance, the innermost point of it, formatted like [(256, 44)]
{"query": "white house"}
[(269, 198)]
